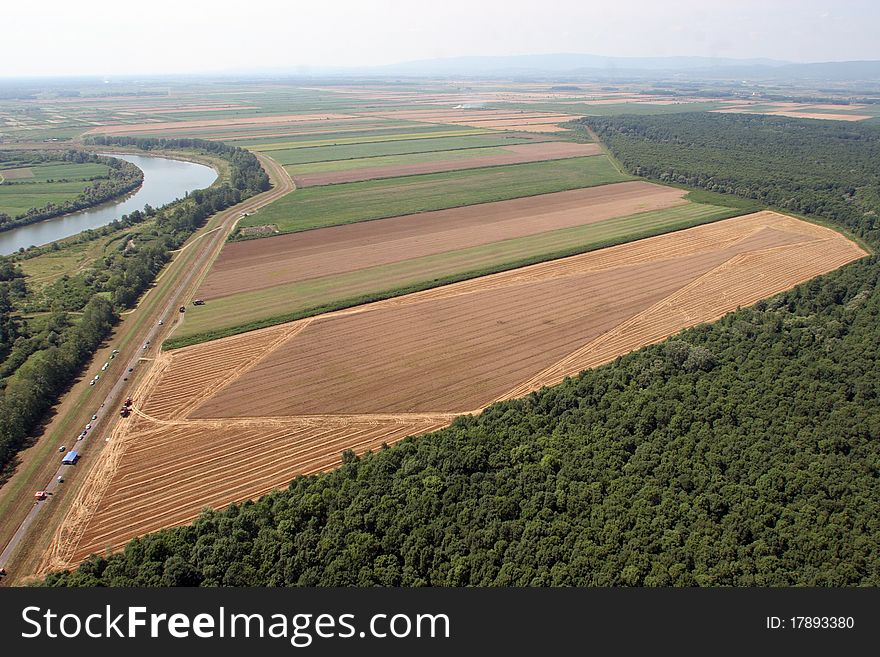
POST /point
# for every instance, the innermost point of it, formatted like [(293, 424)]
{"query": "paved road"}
[(208, 245)]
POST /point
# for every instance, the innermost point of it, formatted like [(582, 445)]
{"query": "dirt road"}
[(33, 521)]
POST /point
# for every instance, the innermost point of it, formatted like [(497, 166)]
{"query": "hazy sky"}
[(78, 37)]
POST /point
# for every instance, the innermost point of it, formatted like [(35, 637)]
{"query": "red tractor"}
[(125, 411)]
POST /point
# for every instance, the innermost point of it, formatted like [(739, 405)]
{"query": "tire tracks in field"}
[(66, 538), (581, 359), (269, 448)]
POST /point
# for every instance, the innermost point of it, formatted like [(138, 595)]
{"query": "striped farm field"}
[(393, 160), (274, 280), (262, 133), (491, 119), (229, 420), (367, 138), (449, 161), (291, 156), (332, 205), (180, 128), (352, 128)]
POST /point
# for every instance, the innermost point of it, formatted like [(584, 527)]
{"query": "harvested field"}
[(548, 150), (253, 265), (532, 127), (526, 121), (794, 113), (187, 110), (182, 126), (232, 419), (287, 301), (470, 116), (830, 116)]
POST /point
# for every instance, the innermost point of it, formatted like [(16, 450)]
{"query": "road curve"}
[(207, 244)]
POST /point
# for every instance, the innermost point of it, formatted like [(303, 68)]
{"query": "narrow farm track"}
[(179, 281), (233, 419)]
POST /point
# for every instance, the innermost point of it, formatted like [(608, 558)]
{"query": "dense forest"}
[(123, 177), (824, 168), (744, 452), (40, 356)]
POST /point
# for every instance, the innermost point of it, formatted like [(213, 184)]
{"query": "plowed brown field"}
[(518, 154), (230, 420), (260, 264)]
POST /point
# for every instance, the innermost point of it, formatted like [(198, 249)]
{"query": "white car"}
[(95, 417)]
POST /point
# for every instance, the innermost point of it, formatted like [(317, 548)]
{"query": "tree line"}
[(741, 453), (41, 359), (825, 168), (122, 178)]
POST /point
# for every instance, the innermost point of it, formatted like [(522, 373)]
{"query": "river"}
[(164, 181)]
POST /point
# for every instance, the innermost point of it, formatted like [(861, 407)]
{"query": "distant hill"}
[(587, 66), (562, 63), (855, 70)]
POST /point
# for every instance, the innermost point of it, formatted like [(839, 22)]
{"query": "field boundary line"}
[(237, 372), (564, 364)]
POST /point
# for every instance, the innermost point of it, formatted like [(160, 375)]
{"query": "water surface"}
[(164, 181)]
